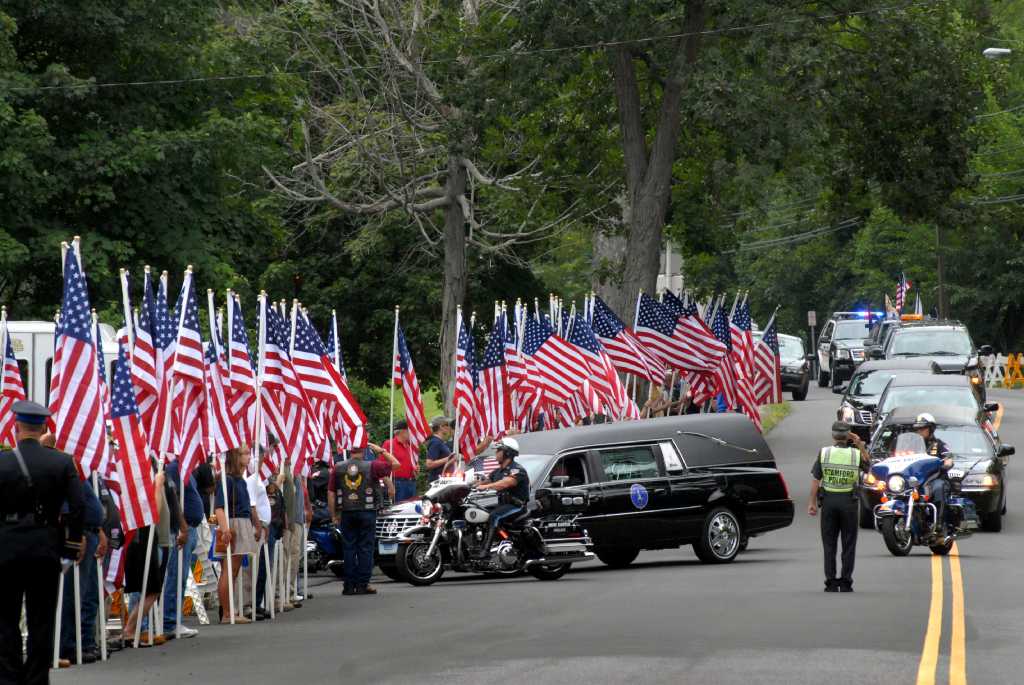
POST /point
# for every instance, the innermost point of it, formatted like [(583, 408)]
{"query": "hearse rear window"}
[(629, 463)]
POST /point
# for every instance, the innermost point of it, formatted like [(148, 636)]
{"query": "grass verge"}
[(772, 414)]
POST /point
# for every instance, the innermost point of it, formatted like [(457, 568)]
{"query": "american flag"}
[(697, 334), (902, 287), (658, 328), (77, 406), (768, 366), (725, 374), (561, 368), (241, 382), (494, 393), (468, 419), (321, 379), (221, 428), (147, 373), (405, 376), (515, 365), (188, 377), (743, 362), (160, 429), (134, 475), (287, 411), (604, 382), (334, 346), (627, 352), (11, 388)]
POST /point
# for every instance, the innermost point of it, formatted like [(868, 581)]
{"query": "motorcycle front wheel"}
[(415, 566), (941, 549), (548, 571), (898, 542)]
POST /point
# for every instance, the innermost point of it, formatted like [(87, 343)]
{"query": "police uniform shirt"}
[(817, 474), (54, 483), (938, 448), (521, 490)]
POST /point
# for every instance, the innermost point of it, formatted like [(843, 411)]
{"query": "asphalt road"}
[(666, 619)]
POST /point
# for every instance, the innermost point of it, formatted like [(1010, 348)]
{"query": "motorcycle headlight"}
[(869, 479), (896, 483)]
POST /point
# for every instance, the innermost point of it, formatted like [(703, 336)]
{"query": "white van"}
[(33, 348)]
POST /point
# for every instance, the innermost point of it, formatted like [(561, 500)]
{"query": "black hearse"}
[(707, 480)]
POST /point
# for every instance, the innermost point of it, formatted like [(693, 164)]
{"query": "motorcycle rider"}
[(512, 484), (924, 425)]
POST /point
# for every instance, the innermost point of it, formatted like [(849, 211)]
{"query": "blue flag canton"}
[(145, 315), (468, 348), (75, 313), (494, 352), (583, 336), (404, 358), (9, 352), (99, 353), (653, 315), (306, 338), (742, 317), (122, 397), (191, 320), (606, 324), (672, 303), (535, 335), (163, 330), (277, 332), (771, 337), (720, 327)]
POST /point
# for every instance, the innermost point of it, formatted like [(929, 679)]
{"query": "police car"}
[(841, 345)]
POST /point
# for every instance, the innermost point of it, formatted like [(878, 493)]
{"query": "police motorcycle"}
[(905, 516), (544, 540)]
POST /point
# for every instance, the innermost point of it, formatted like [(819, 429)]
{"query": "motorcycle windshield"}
[(908, 444)]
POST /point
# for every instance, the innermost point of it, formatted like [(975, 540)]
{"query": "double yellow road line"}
[(958, 648)]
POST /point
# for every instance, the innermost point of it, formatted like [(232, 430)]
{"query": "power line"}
[(994, 174), (1016, 108), (799, 237), (997, 200), (499, 55)]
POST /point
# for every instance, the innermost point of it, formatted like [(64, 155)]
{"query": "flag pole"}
[(455, 365), (394, 353), (102, 618), (126, 303)]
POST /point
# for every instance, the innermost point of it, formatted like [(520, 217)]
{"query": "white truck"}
[(33, 348)]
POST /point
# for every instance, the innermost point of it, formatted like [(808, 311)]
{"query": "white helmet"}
[(509, 446), (924, 420)]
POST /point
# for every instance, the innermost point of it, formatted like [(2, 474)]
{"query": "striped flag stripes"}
[(11, 387), (131, 466)]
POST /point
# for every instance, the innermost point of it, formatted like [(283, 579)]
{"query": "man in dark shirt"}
[(439, 451), (95, 548), (512, 484), (193, 514), (31, 537)]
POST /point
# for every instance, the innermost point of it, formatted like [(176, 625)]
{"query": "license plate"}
[(955, 473), (387, 548)]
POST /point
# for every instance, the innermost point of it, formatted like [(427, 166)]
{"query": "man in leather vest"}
[(836, 475), (353, 498), (35, 483)]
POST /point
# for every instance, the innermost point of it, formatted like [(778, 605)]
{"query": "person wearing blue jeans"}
[(358, 531), (274, 531), (193, 514), (87, 583)]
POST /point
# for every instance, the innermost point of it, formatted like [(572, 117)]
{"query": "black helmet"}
[(509, 446)]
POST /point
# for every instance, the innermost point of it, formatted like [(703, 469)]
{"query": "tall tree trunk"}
[(649, 172), (454, 285)]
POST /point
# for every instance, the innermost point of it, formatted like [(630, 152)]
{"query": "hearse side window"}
[(629, 463), (574, 466), (673, 464)]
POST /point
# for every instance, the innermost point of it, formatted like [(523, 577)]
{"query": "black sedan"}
[(796, 365), (980, 456), (860, 396)]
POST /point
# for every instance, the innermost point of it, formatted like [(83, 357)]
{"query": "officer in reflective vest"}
[(354, 495), (835, 477)]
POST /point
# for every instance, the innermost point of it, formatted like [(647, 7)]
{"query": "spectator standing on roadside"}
[(354, 490), (439, 449), (297, 512), (237, 524), (193, 515), (260, 502), (95, 548), (403, 475)]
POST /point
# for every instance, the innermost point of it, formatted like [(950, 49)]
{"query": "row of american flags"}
[(547, 369), (175, 396)]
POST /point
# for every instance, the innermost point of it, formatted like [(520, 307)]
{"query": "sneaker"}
[(297, 599), (188, 632)]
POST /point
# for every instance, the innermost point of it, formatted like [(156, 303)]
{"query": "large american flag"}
[(627, 352), (697, 334), (468, 418), (11, 388), (133, 473), (321, 379), (768, 366), (77, 406), (604, 382), (560, 367), (147, 367), (902, 287), (493, 390), (221, 428), (188, 377), (515, 365), (658, 327), (160, 429), (743, 362), (725, 374), (405, 376), (241, 381)]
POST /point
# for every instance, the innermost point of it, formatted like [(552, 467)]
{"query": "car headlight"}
[(425, 507), (980, 480), (847, 414), (896, 483), (842, 354)]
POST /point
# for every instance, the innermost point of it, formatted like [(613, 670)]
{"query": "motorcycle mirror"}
[(1006, 450), (991, 406)]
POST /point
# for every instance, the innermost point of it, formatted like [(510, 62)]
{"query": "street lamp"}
[(997, 53)]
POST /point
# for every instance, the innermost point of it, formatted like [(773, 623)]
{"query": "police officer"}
[(354, 495), (924, 425), (835, 476), (512, 484), (35, 482)]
